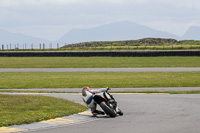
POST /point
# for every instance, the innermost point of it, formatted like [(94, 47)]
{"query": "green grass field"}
[(97, 62), (134, 48), (98, 79), (27, 109), (17, 109), (141, 44), (119, 48)]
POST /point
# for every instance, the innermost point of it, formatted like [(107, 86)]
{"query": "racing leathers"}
[(87, 96)]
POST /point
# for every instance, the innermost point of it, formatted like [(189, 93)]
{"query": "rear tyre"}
[(108, 110)]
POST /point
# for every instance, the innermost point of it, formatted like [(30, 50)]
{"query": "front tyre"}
[(108, 110), (120, 113)]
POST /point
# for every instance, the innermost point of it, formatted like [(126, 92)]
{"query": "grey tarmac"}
[(143, 113), (164, 69), (161, 113)]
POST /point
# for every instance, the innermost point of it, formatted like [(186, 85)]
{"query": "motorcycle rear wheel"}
[(108, 110)]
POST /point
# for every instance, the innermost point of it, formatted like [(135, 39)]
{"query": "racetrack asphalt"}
[(143, 113), (164, 69)]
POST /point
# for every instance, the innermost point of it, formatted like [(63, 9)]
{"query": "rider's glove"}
[(108, 88)]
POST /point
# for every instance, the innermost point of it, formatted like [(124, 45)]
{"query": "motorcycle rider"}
[(87, 96)]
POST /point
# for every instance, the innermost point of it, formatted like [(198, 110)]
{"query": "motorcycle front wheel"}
[(120, 113), (108, 110)]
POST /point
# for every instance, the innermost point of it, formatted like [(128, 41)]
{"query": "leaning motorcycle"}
[(107, 102)]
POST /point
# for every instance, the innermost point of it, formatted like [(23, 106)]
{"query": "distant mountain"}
[(7, 38), (193, 33), (125, 30)]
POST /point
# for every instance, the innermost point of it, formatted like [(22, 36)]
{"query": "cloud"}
[(177, 3), (9, 3), (38, 2), (160, 14)]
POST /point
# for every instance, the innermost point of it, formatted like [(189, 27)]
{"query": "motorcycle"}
[(108, 104)]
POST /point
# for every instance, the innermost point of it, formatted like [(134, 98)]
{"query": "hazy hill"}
[(14, 38), (193, 33), (125, 30)]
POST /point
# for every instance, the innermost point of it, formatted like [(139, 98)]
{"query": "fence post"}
[(57, 45), (2, 47), (128, 45), (84, 45), (43, 45), (10, 45), (40, 46), (172, 45), (50, 47)]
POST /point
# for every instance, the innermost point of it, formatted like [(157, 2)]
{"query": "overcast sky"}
[(50, 19)]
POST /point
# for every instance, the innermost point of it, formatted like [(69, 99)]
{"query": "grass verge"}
[(98, 79), (97, 62), (19, 91), (17, 109)]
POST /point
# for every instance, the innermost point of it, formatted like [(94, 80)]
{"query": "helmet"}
[(85, 89)]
